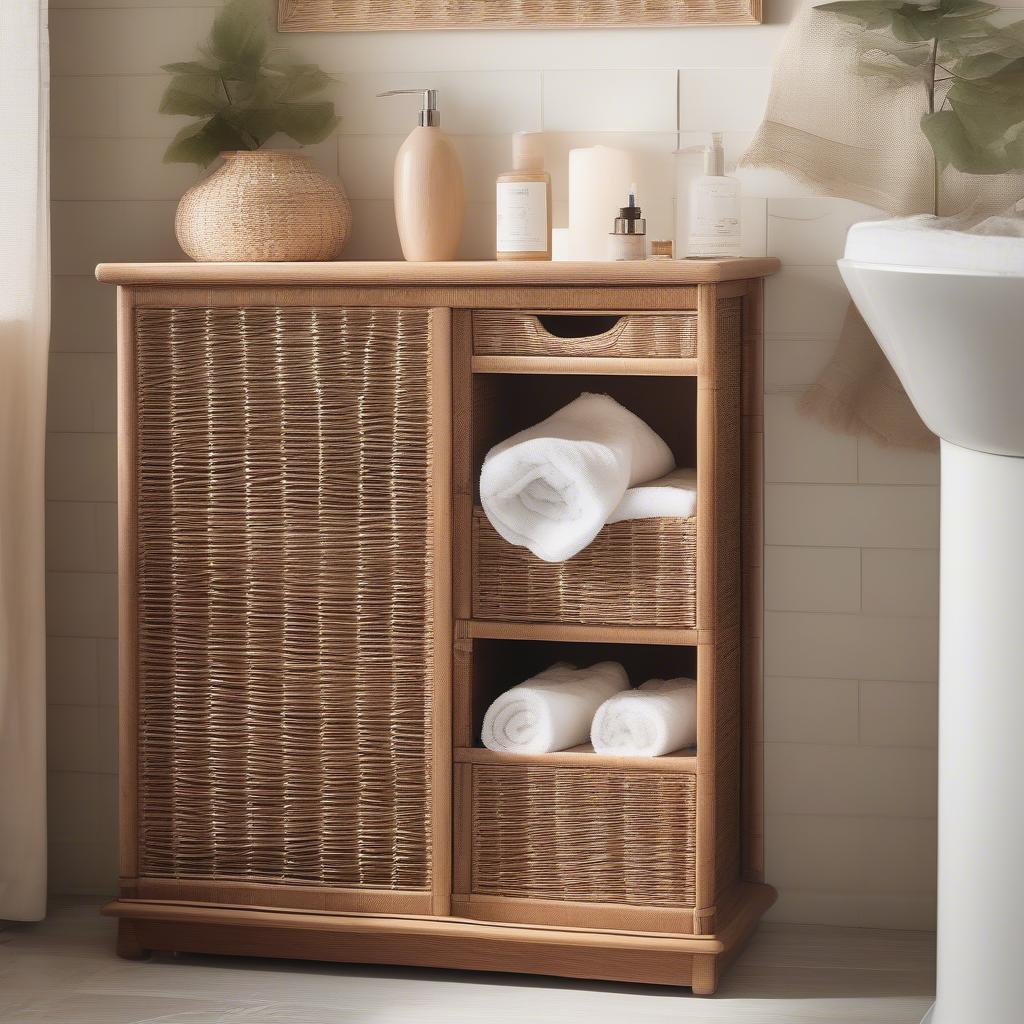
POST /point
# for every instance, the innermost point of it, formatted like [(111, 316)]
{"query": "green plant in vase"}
[(971, 69), (242, 96)]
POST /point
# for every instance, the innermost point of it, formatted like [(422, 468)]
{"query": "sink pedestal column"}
[(981, 739)]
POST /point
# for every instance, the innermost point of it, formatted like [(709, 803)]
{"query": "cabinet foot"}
[(128, 945), (705, 974)]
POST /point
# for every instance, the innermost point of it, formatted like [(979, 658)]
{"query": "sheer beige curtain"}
[(24, 337)]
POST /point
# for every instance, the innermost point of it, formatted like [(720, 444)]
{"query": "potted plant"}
[(260, 204)]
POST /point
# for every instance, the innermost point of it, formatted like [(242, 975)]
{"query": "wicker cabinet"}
[(314, 616)]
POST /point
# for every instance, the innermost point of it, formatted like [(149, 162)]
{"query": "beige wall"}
[(852, 529)]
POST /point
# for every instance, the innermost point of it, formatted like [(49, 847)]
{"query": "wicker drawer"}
[(642, 572), (582, 835), (633, 335)]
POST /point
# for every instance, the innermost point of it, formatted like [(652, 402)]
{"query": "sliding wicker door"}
[(284, 541)]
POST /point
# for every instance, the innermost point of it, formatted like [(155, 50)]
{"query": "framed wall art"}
[(385, 15)]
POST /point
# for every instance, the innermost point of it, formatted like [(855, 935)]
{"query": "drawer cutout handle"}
[(570, 327)]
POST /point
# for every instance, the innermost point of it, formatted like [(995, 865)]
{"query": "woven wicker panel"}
[(363, 15), (507, 332), (589, 835), (641, 572), (284, 640)]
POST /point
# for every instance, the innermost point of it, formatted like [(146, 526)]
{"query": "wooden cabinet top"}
[(399, 273)]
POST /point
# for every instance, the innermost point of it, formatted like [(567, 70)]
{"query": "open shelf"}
[(505, 403), (581, 757), (486, 667)]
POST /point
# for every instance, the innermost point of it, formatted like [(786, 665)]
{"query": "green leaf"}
[(966, 8), (914, 24), (980, 66), (193, 94), (203, 142), (302, 80), (257, 124), (885, 64), (190, 67), (985, 39), (870, 14), (239, 33), (307, 123), (954, 143)]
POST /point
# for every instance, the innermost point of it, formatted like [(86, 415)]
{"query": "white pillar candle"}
[(599, 178), (560, 243)]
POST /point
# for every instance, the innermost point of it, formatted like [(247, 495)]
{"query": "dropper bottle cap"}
[(630, 220)]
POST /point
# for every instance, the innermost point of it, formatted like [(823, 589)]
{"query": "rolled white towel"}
[(553, 710), (674, 494), (658, 717), (551, 488)]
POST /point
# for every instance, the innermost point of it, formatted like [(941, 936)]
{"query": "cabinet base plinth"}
[(454, 943)]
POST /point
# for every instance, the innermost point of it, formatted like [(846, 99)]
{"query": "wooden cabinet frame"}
[(447, 927)]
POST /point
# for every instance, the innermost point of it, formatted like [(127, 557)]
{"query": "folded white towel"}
[(553, 710), (674, 494), (655, 719), (551, 488)]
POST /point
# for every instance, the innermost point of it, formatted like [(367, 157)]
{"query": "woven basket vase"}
[(267, 205)]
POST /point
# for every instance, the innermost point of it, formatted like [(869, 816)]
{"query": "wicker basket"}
[(269, 205), (634, 335), (596, 835), (641, 572)]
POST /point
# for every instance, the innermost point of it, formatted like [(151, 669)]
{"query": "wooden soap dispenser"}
[(429, 195), (524, 203)]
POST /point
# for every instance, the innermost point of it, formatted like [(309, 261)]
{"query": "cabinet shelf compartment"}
[(635, 573), (583, 847), (486, 668), (504, 332), (640, 572)]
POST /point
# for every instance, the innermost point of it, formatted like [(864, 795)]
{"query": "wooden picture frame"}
[(399, 15)]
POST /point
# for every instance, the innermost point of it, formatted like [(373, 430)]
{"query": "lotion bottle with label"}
[(715, 229), (524, 203), (429, 196)]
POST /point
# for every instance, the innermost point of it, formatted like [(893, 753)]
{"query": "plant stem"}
[(931, 110)]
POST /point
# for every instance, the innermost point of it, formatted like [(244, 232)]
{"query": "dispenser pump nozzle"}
[(714, 157), (430, 116)]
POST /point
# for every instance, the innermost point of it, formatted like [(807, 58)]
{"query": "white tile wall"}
[(610, 100), (852, 528)]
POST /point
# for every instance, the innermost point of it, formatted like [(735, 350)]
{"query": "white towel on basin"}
[(674, 494), (553, 710), (656, 718), (552, 487)]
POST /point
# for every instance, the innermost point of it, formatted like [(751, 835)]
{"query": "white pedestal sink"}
[(956, 340)]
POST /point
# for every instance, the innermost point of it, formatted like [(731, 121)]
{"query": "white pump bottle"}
[(714, 229)]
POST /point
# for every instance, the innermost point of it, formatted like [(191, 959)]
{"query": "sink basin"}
[(956, 340)]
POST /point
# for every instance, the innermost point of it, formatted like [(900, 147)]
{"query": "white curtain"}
[(24, 337)]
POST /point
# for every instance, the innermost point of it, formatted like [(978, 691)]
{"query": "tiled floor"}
[(63, 971)]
